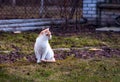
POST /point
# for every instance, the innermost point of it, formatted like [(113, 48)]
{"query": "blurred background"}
[(93, 13)]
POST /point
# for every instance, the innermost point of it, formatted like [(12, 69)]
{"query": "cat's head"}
[(46, 33)]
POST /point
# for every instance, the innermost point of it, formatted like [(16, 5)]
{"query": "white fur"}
[(42, 49)]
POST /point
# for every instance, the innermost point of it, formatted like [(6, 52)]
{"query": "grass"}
[(75, 41), (24, 42), (20, 42), (5, 77), (68, 70)]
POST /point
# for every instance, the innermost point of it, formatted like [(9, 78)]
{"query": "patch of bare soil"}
[(60, 54)]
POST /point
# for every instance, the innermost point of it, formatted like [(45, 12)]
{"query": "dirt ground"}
[(85, 53)]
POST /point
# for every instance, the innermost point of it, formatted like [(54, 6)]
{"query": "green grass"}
[(69, 70), (24, 42), (5, 77), (21, 42), (75, 41)]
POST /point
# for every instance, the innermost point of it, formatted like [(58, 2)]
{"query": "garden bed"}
[(85, 45), (81, 57), (61, 54)]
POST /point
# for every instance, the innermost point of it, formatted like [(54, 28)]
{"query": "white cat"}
[(43, 51)]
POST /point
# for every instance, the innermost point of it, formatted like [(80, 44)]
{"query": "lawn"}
[(71, 68)]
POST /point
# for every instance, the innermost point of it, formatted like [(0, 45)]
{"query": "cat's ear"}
[(47, 28), (41, 33)]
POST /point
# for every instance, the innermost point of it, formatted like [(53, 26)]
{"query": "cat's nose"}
[(47, 34)]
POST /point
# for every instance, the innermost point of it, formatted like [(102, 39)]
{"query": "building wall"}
[(89, 9), (90, 12)]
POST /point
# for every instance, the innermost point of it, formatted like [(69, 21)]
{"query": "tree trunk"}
[(74, 6)]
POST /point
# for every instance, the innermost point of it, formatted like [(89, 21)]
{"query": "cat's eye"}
[(47, 34)]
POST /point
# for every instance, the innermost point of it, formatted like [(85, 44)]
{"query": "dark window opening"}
[(112, 1)]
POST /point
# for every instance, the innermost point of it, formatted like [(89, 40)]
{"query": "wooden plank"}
[(24, 26), (12, 21), (43, 23), (109, 6)]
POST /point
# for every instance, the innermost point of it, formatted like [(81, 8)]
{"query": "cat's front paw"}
[(38, 61)]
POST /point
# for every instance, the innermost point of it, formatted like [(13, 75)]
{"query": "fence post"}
[(13, 2), (41, 7)]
